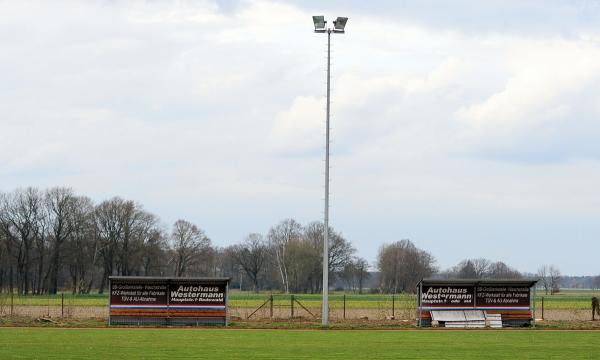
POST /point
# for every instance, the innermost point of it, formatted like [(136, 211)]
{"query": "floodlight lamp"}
[(319, 22), (340, 24)]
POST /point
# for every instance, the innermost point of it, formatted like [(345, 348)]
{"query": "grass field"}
[(17, 343), (566, 300)]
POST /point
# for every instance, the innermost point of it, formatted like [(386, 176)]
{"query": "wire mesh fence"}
[(341, 307), (261, 306), (309, 306), (54, 306)]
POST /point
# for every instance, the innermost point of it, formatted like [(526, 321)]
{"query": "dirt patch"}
[(335, 314), (78, 312), (565, 315), (279, 313)]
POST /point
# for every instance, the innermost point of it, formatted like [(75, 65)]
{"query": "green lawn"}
[(59, 343)]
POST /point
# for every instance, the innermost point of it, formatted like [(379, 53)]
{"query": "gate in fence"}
[(270, 303)]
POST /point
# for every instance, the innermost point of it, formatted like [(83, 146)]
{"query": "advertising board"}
[(448, 296), (132, 293), (168, 301), (475, 296), (503, 296)]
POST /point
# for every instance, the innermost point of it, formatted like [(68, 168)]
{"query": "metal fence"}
[(341, 307), (253, 307), (50, 306)]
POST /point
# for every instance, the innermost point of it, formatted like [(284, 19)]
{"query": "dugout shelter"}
[(141, 300), (463, 303)]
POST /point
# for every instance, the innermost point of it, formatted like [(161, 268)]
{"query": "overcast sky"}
[(470, 127)]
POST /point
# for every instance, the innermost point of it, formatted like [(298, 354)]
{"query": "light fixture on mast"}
[(338, 28)]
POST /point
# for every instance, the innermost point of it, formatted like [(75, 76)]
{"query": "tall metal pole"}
[(325, 317)]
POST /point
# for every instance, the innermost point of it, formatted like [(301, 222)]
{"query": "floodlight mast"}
[(338, 28)]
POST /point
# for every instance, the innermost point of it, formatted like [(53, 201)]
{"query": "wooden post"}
[(419, 303), (62, 305), (542, 308), (226, 305), (534, 304), (168, 303), (109, 296), (12, 301), (271, 305), (344, 306), (292, 305), (393, 306)]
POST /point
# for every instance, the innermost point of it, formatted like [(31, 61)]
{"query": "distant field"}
[(353, 301), (566, 300), (55, 343), (236, 299)]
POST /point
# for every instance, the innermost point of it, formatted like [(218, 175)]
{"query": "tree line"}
[(55, 240)]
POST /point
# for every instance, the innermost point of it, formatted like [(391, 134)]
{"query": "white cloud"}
[(300, 127), (208, 114), (546, 78)]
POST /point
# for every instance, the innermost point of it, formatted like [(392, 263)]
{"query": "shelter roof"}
[(171, 279), (529, 282)]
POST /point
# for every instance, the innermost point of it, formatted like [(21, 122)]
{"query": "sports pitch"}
[(57, 343)]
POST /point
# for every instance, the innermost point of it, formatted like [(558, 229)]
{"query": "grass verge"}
[(56, 343)]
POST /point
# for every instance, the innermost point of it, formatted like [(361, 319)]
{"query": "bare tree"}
[(138, 226), (280, 236), (227, 266), (472, 269), (303, 266), (354, 274), (339, 255), (6, 266), (481, 268), (555, 276), (82, 246), (312, 257), (465, 270), (153, 253), (544, 274), (361, 268), (499, 270), (109, 229), (188, 243), (41, 249), (402, 265), (21, 215), (252, 255), (60, 204), (340, 252)]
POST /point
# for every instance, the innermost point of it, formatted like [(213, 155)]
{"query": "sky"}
[(469, 127)]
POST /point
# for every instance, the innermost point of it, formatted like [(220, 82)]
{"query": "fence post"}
[(393, 306), (542, 308), (344, 306), (271, 305), (292, 304), (62, 305), (12, 301)]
